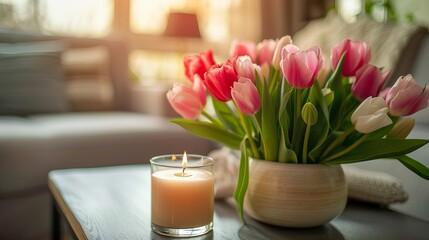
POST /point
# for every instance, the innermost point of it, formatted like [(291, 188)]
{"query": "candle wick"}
[(183, 171)]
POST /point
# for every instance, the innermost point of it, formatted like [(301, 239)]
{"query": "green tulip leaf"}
[(227, 117), (284, 117), (210, 131), (320, 130), (243, 179), (414, 166), (379, 148), (335, 83), (269, 127)]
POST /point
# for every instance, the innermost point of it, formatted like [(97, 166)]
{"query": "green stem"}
[(298, 106), (337, 141), (304, 149), (348, 149), (274, 80), (246, 129), (256, 124), (213, 120), (259, 129)]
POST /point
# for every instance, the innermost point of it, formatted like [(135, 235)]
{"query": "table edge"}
[(71, 219)]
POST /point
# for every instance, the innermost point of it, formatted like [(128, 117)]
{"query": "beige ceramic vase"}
[(295, 195)]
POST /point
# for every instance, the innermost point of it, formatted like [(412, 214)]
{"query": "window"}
[(58, 17), (141, 24)]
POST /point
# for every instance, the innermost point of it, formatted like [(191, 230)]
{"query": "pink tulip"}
[(265, 51), (384, 93), (245, 67), (300, 68), (369, 81), (243, 48), (407, 97), (357, 54), (246, 96), (188, 101), (219, 80), (198, 64)]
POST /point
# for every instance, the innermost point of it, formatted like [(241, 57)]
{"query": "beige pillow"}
[(373, 186)]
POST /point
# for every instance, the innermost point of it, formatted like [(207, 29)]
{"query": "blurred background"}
[(83, 82), (142, 24)]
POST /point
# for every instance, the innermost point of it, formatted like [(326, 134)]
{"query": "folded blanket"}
[(369, 186)]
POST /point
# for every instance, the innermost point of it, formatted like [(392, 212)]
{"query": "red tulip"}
[(265, 51), (243, 48), (369, 81), (407, 97), (219, 80), (246, 96), (198, 64), (358, 54), (188, 101), (300, 68)]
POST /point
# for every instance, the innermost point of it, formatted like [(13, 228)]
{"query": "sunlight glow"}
[(150, 17)]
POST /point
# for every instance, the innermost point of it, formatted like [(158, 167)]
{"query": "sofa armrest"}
[(117, 66)]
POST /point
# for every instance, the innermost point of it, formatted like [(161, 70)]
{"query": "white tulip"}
[(285, 40), (371, 115)]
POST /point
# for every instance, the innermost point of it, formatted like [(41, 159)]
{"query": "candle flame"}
[(184, 161), (173, 158)]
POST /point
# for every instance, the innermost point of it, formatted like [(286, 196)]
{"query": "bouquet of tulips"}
[(269, 103)]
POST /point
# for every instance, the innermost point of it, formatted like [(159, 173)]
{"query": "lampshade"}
[(182, 25)]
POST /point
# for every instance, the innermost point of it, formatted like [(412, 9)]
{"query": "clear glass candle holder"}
[(182, 198)]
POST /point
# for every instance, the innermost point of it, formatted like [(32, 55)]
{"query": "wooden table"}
[(114, 203)]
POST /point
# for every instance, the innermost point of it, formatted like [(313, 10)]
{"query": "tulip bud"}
[(277, 56), (309, 114), (402, 128)]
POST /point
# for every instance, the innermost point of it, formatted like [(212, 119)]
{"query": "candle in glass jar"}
[(182, 199), (182, 195)]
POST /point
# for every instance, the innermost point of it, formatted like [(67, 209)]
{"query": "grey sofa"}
[(36, 141)]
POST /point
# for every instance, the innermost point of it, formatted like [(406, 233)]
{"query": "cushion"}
[(374, 186), (31, 78), (88, 83)]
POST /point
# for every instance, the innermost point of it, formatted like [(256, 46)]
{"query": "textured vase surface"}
[(295, 195)]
